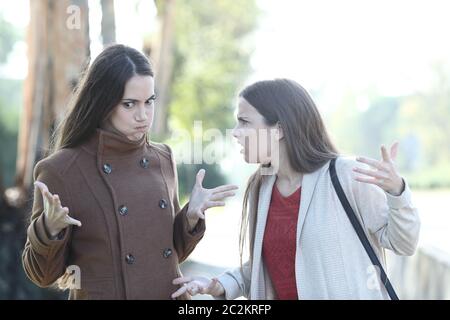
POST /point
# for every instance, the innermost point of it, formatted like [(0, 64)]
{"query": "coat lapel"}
[(308, 186), (265, 194)]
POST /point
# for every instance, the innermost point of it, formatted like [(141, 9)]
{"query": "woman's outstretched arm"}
[(46, 247)]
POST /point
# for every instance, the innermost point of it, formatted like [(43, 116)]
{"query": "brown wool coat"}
[(133, 234)]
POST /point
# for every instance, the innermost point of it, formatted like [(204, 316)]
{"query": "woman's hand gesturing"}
[(202, 198), (385, 174), (196, 285), (56, 217)]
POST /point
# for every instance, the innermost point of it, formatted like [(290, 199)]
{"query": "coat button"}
[(162, 204), (123, 210), (130, 259), (107, 168), (167, 253), (144, 163)]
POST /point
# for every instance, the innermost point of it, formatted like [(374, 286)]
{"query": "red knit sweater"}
[(279, 244)]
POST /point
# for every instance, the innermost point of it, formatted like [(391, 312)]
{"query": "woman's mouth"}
[(141, 128)]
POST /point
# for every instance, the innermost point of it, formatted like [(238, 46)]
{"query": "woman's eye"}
[(128, 105), (243, 122), (150, 101)]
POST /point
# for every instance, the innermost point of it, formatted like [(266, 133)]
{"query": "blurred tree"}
[(187, 175), (378, 125), (435, 115), (14, 285), (212, 60), (9, 227), (8, 36), (10, 101), (163, 57), (425, 119), (201, 51), (373, 117), (418, 121), (108, 22), (343, 123), (212, 48), (58, 48)]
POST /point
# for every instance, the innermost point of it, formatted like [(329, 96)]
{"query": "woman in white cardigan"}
[(302, 244)]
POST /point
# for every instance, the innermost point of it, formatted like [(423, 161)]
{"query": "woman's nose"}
[(141, 114), (235, 132)]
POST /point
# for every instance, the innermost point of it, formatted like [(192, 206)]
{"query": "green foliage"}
[(14, 284), (10, 105), (433, 177), (8, 36), (187, 174), (420, 122), (343, 123), (212, 59)]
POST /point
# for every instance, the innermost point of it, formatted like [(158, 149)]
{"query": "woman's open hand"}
[(384, 173), (198, 285), (202, 198), (56, 217)]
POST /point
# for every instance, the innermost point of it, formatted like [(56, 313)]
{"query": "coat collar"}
[(112, 144)]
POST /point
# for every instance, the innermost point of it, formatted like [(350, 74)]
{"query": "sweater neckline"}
[(290, 199)]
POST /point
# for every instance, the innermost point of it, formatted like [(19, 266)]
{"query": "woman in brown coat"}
[(106, 221)]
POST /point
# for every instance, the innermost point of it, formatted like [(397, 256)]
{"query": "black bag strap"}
[(359, 230)]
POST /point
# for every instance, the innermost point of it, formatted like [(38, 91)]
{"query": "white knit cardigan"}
[(330, 261)]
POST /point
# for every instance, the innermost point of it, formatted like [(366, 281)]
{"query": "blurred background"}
[(379, 72)]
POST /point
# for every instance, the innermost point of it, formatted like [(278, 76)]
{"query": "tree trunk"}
[(108, 22), (58, 49), (164, 65)]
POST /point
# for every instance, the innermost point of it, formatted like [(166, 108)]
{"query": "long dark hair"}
[(100, 89), (308, 145)]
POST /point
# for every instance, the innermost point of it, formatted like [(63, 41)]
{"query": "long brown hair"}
[(308, 145), (100, 89)]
